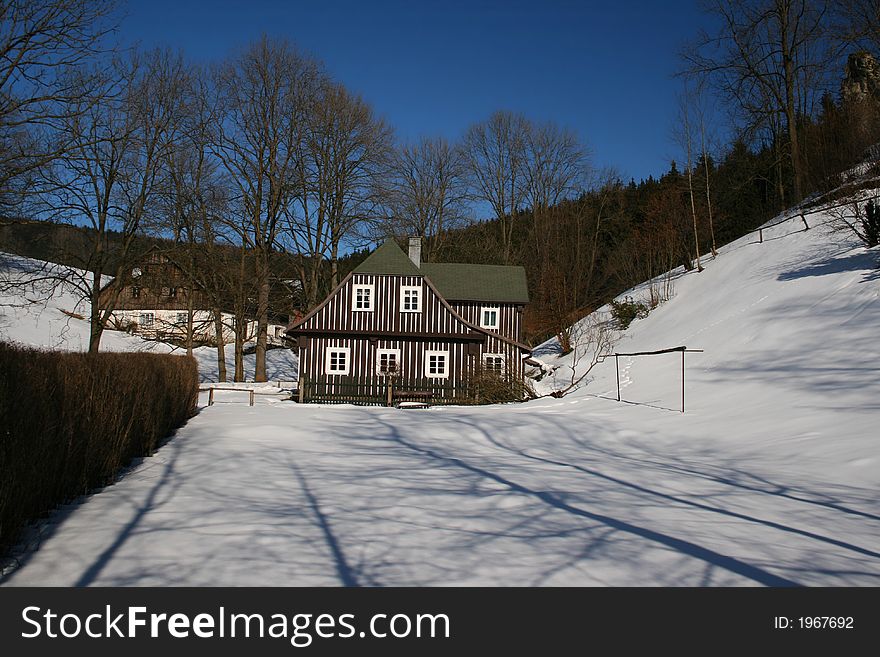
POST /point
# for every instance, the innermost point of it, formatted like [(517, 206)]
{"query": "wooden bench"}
[(412, 398), (213, 388)]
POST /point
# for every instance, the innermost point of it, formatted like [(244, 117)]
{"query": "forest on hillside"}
[(264, 158)]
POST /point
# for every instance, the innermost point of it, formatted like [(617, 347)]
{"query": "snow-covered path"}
[(540, 494)]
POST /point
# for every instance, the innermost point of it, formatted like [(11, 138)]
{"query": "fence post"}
[(211, 396), (617, 367), (760, 235), (302, 389), (682, 380), (252, 398)]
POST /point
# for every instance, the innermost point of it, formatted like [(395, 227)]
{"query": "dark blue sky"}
[(603, 69)]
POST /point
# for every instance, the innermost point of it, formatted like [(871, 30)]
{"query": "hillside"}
[(769, 478), (791, 363)]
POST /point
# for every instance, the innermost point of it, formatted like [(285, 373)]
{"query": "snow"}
[(769, 478)]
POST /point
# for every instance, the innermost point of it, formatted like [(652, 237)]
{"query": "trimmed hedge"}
[(70, 421)]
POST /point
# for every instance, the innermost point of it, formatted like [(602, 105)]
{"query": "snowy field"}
[(772, 477)]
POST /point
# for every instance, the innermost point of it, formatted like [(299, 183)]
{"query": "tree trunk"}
[(708, 195), (262, 325), (189, 317), (221, 345), (334, 265), (96, 325), (240, 335)]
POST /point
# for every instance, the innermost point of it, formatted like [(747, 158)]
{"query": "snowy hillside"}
[(791, 360), (49, 316), (770, 478)]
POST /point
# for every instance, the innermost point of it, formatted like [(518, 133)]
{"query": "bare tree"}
[(345, 152), (859, 217), (265, 95), (41, 42), (857, 22), (110, 174), (495, 152), (767, 57), (555, 168), (426, 192), (590, 339), (687, 141), (704, 155)]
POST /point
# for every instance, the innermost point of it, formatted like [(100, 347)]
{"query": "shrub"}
[(69, 422), (492, 388), (624, 312)]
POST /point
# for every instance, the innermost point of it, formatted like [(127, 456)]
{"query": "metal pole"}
[(682, 380), (617, 367), (761, 235), (210, 396)]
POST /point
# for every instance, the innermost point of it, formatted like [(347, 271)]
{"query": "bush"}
[(69, 422), (624, 312), (492, 388)]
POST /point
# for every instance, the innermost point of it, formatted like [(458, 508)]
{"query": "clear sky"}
[(603, 69)]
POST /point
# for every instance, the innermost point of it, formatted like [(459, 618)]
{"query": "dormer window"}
[(362, 298), (411, 298), (490, 317)]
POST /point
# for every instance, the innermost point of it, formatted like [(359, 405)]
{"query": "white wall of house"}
[(172, 323)]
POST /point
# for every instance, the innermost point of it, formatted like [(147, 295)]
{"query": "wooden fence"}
[(383, 391)]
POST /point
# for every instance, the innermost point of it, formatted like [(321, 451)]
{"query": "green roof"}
[(388, 259), (461, 282), (456, 282)]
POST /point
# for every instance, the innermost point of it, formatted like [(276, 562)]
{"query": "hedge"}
[(70, 421)]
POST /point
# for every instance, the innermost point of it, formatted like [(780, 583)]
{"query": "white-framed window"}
[(181, 318), (338, 360), (410, 298), (490, 317), (437, 364), (387, 361), (362, 297), (146, 320), (493, 364)]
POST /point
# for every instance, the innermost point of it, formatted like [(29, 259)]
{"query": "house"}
[(154, 303), (398, 328)]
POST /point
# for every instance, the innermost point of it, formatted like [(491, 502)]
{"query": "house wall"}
[(510, 320), (364, 354)]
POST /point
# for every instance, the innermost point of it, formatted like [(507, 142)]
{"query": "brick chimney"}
[(415, 250)]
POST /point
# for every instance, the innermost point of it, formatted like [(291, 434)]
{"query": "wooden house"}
[(398, 326), (153, 303)]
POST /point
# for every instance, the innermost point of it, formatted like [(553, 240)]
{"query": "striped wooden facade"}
[(439, 326)]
